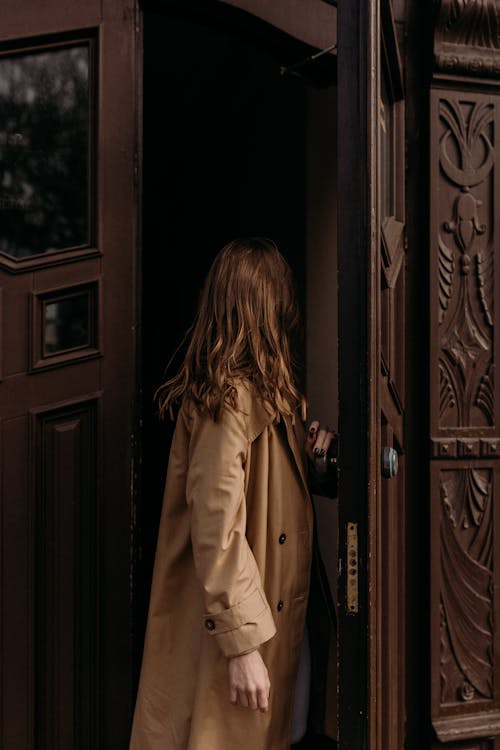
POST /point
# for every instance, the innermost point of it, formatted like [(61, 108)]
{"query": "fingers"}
[(311, 438), (263, 699), (254, 699), (243, 698), (323, 441), (257, 698), (313, 428), (233, 695), (249, 683), (318, 439)]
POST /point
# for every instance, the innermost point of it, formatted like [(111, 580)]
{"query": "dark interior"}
[(224, 156)]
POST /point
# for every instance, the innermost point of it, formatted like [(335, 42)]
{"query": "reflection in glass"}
[(66, 323), (387, 151), (44, 150)]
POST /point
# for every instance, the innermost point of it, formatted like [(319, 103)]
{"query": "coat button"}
[(209, 624), (282, 538), (280, 605)]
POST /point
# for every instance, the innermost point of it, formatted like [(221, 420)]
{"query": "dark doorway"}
[(225, 154)]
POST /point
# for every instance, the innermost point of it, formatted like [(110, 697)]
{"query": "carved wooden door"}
[(67, 245), (464, 417), (371, 388), (388, 615)]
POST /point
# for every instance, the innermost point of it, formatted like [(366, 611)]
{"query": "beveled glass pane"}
[(44, 151), (66, 323)]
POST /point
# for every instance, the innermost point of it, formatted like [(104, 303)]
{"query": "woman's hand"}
[(318, 439), (249, 683)]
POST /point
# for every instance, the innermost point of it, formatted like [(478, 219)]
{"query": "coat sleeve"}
[(237, 613)]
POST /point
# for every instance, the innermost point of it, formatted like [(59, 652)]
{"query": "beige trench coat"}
[(232, 571)]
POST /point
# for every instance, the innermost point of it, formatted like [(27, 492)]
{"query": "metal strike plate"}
[(352, 567)]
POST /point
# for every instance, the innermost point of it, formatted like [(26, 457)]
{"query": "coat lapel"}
[(260, 417), (295, 437)]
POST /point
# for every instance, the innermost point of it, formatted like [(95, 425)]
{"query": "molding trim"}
[(468, 727), (467, 37)]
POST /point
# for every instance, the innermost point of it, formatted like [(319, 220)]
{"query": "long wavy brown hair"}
[(248, 325)]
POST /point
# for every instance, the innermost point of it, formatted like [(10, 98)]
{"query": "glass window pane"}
[(44, 151), (66, 323)]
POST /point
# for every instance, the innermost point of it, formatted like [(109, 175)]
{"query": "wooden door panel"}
[(391, 688), (64, 550), (391, 549), (372, 373), (464, 416), (32, 22), (464, 412), (391, 555), (391, 411), (390, 696), (465, 560), (67, 361), (16, 575), (14, 351), (54, 384)]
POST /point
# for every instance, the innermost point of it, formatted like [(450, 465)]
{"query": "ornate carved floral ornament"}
[(467, 36)]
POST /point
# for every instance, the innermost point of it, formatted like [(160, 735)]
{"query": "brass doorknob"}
[(389, 462)]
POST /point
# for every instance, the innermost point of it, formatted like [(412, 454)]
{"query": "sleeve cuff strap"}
[(243, 626)]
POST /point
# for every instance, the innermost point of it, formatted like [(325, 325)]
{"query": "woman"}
[(237, 570)]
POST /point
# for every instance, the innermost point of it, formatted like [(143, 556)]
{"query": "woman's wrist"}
[(243, 653)]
